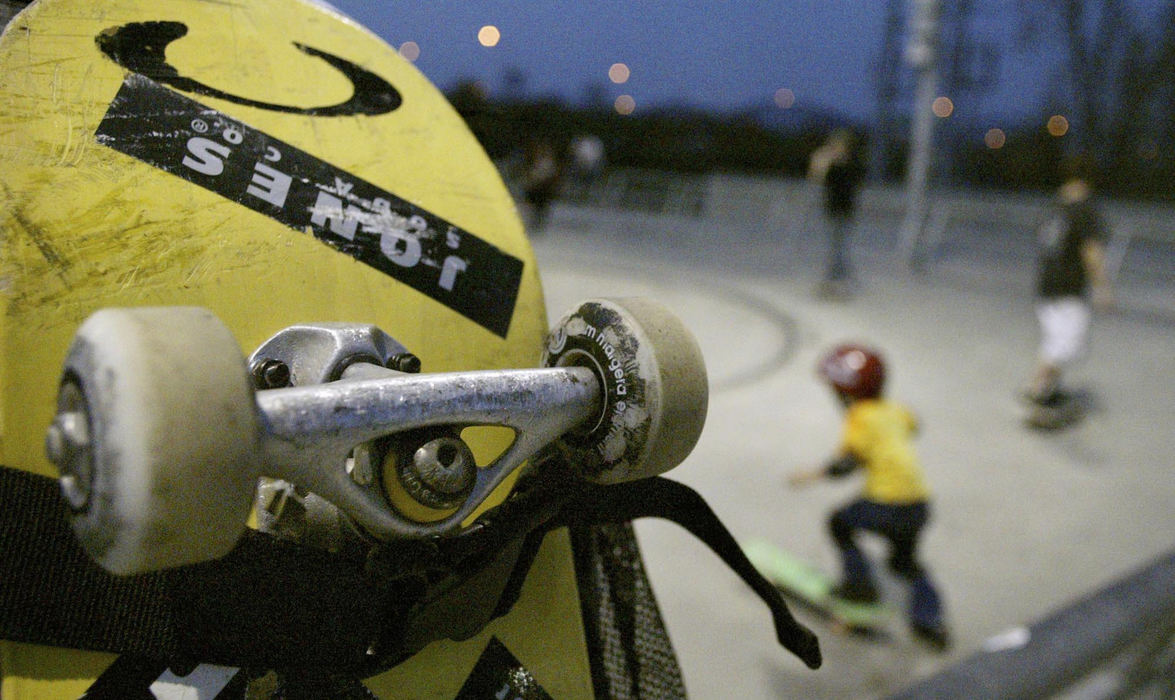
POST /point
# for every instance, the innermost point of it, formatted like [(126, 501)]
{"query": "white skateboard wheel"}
[(167, 474), (653, 381)]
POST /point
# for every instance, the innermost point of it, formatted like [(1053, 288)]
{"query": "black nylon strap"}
[(53, 594), (274, 605), (662, 498), (267, 604)]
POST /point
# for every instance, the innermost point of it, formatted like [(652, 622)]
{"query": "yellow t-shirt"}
[(879, 433)]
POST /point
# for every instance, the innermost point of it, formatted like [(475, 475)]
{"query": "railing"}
[(1117, 643), (1000, 227), (649, 191)]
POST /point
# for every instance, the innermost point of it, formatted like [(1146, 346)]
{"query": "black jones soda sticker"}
[(208, 148)]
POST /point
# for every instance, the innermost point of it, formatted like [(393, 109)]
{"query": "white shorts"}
[(1064, 323)]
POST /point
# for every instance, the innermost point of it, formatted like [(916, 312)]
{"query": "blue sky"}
[(712, 54), (719, 54)]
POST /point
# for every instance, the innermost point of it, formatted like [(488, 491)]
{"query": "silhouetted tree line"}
[(687, 141), (693, 141)]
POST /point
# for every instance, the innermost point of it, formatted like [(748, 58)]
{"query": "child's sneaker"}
[(855, 592), (934, 636)]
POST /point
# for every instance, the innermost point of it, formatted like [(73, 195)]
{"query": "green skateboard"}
[(812, 588)]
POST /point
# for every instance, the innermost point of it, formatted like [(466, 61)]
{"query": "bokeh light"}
[(625, 105), (410, 50), (489, 35), (995, 138), (618, 73), (784, 98), (942, 107), (1057, 125)]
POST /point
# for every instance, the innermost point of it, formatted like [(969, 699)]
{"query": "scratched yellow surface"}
[(83, 226)]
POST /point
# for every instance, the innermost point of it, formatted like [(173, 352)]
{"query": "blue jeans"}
[(901, 525)]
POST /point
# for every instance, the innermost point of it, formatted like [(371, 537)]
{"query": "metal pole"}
[(921, 54), (888, 81)]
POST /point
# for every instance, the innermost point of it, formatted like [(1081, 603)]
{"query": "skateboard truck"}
[(396, 433), (163, 430)]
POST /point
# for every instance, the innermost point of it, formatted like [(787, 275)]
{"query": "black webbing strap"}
[(267, 604), (662, 498), (275, 605), (51, 593)]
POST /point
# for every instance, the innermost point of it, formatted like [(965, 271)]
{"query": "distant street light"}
[(410, 50), (785, 98), (1057, 125), (489, 36)]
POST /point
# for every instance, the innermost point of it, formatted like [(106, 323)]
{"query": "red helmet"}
[(854, 370)]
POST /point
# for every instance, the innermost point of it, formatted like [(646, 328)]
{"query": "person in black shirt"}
[(835, 167), (1071, 266), (542, 178)]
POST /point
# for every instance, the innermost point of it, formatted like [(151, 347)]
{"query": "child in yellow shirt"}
[(895, 502)]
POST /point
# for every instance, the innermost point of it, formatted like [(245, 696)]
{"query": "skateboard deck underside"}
[(278, 164)]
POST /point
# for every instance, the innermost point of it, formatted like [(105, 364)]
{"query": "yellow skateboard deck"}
[(277, 163)]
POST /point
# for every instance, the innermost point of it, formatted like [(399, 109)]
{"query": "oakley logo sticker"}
[(141, 47)]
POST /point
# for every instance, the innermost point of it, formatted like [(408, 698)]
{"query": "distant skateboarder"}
[(542, 177), (836, 168), (895, 502), (1070, 267)]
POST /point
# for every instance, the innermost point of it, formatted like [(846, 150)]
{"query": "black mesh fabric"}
[(631, 655)]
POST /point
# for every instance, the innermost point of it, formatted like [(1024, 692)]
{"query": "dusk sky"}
[(718, 55)]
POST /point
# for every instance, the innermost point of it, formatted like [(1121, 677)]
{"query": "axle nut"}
[(441, 473), (67, 445)]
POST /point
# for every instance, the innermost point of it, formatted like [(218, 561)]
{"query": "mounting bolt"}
[(405, 362), (270, 374)]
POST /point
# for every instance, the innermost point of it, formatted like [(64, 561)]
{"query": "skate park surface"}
[(1024, 522)]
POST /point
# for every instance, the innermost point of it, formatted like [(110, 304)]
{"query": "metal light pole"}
[(921, 54)]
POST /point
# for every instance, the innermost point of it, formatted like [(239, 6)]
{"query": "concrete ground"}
[(1024, 521)]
